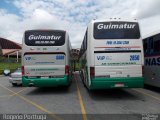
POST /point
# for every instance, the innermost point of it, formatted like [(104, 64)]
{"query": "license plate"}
[(44, 77), (119, 85)]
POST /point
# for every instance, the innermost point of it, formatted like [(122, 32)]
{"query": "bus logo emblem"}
[(30, 58), (100, 57)]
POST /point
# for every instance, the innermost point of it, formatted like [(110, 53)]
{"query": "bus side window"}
[(145, 46), (157, 46), (150, 46), (151, 51)]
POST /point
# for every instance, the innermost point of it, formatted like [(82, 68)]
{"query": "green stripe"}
[(46, 82), (108, 83)]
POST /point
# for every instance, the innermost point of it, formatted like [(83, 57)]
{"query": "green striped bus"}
[(111, 55), (46, 58)]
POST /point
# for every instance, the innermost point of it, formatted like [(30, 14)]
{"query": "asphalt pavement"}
[(76, 100)]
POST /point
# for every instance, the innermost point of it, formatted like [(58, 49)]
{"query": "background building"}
[(9, 48)]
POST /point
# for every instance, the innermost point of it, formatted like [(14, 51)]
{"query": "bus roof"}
[(45, 30), (114, 19), (151, 34)]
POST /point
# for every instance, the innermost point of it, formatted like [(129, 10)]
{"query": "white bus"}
[(151, 43), (111, 55), (46, 58)]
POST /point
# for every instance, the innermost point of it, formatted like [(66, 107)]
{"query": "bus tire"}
[(82, 77), (14, 84), (84, 82)]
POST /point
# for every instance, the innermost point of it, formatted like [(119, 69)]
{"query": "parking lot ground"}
[(77, 100), (120, 101)]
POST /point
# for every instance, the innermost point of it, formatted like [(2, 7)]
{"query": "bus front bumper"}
[(109, 83), (45, 82)]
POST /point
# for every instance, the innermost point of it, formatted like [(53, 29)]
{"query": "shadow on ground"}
[(53, 90), (114, 94), (152, 88)]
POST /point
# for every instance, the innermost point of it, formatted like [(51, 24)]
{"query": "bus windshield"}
[(44, 38), (116, 30)]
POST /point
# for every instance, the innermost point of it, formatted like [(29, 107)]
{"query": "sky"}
[(16, 16)]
